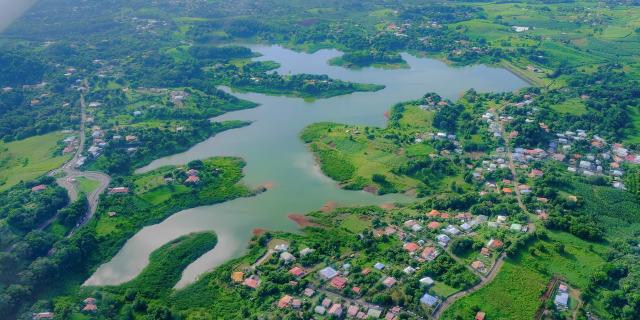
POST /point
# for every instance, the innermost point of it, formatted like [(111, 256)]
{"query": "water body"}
[(275, 154)]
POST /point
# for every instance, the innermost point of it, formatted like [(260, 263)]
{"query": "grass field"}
[(29, 158), (571, 106), (86, 185), (515, 292)]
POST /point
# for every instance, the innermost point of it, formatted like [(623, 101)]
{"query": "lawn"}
[(572, 106), (514, 294), (86, 185), (29, 158), (355, 223)]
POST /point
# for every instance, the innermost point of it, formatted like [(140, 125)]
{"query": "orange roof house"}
[(433, 225), (285, 301), (339, 282), (411, 247), (237, 276), (297, 271)]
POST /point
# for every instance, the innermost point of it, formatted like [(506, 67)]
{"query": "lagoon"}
[(275, 154)]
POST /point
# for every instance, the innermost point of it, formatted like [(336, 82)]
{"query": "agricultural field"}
[(29, 158)]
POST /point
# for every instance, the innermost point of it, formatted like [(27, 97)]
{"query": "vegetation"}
[(30, 158)]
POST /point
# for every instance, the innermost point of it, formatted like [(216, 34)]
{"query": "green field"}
[(29, 158), (572, 106), (86, 185), (515, 292)]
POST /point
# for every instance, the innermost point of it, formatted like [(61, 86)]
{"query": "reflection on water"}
[(275, 154)]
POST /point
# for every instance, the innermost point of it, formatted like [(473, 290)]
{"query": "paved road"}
[(491, 275), (70, 174)]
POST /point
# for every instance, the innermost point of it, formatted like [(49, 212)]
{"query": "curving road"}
[(500, 260), (70, 173)]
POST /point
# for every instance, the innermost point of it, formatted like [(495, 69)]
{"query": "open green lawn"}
[(29, 158), (86, 185), (571, 106), (515, 292)]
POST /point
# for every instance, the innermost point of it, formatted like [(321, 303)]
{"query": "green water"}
[(275, 154)]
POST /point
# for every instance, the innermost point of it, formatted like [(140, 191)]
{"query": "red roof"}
[(297, 271), (192, 179), (428, 252), (445, 216), (39, 187), (433, 225), (411, 247), (251, 282), (434, 213), (480, 315), (338, 282), (285, 301)]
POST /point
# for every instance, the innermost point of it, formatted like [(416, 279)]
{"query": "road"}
[(69, 174), (491, 275)]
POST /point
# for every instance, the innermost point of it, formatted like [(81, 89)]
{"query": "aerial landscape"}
[(306, 159)]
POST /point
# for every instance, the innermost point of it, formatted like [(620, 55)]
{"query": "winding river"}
[(275, 154)]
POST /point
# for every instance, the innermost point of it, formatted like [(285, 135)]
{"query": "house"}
[(563, 288), (326, 302), (516, 227), (562, 301), (356, 290), (339, 282), (379, 265), (433, 225), (365, 271), (192, 180), (285, 301), (466, 227), (306, 251), (281, 247), (39, 187), (411, 247), (252, 282), (416, 227), (297, 272), (389, 282), (374, 313), (409, 270), (336, 310), (429, 253), (485, 251), (480, 315), (429, 300), (237, 276), (43, 315), (433, 213), (427, 281), (443, 239), (320, 310), (352, 311), (90, 308), (130, 138), (328, 273), (309, 292), (119, 190), (296, 303), (452, 230), (478, 265), (494, 244), (409, 223), (287, 257), (501, 219)]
